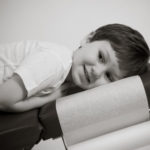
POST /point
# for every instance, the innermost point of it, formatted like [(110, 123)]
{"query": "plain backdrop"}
[(67, 22)]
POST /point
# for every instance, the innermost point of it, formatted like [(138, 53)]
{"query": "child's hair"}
[(131, 49)]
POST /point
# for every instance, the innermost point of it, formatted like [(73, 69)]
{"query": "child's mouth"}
[(86, 74)]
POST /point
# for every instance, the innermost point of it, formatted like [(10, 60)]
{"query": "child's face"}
[(95, 64)]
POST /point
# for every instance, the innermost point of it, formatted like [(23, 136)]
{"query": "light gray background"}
[(67, 22)]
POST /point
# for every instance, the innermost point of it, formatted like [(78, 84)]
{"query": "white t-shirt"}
[(42, 66)]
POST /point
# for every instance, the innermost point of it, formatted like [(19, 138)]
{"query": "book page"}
[(98, 111), (132, 138)]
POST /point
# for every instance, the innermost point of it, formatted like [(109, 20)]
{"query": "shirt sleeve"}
[(40, 70)]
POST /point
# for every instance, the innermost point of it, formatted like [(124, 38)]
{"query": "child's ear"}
[(86, 39)]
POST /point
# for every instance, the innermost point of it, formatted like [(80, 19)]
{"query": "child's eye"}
[(108, 75), (100, 57)]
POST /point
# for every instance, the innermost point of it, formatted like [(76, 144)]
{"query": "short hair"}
[(130, 46)]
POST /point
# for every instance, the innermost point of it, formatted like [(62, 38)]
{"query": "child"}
[(34, 73)]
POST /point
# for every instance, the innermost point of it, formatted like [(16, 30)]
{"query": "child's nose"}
[(98, 71)]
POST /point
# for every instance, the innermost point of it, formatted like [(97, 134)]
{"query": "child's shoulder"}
[(61, 51)]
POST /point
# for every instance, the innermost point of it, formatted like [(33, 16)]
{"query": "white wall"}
[(67, 22)]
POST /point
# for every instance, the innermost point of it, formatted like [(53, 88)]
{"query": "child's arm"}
[(12, 94), (31, 103), (12, 91)]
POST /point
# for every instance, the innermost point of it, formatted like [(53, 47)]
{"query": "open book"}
[(135, 137), (107, 117)]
